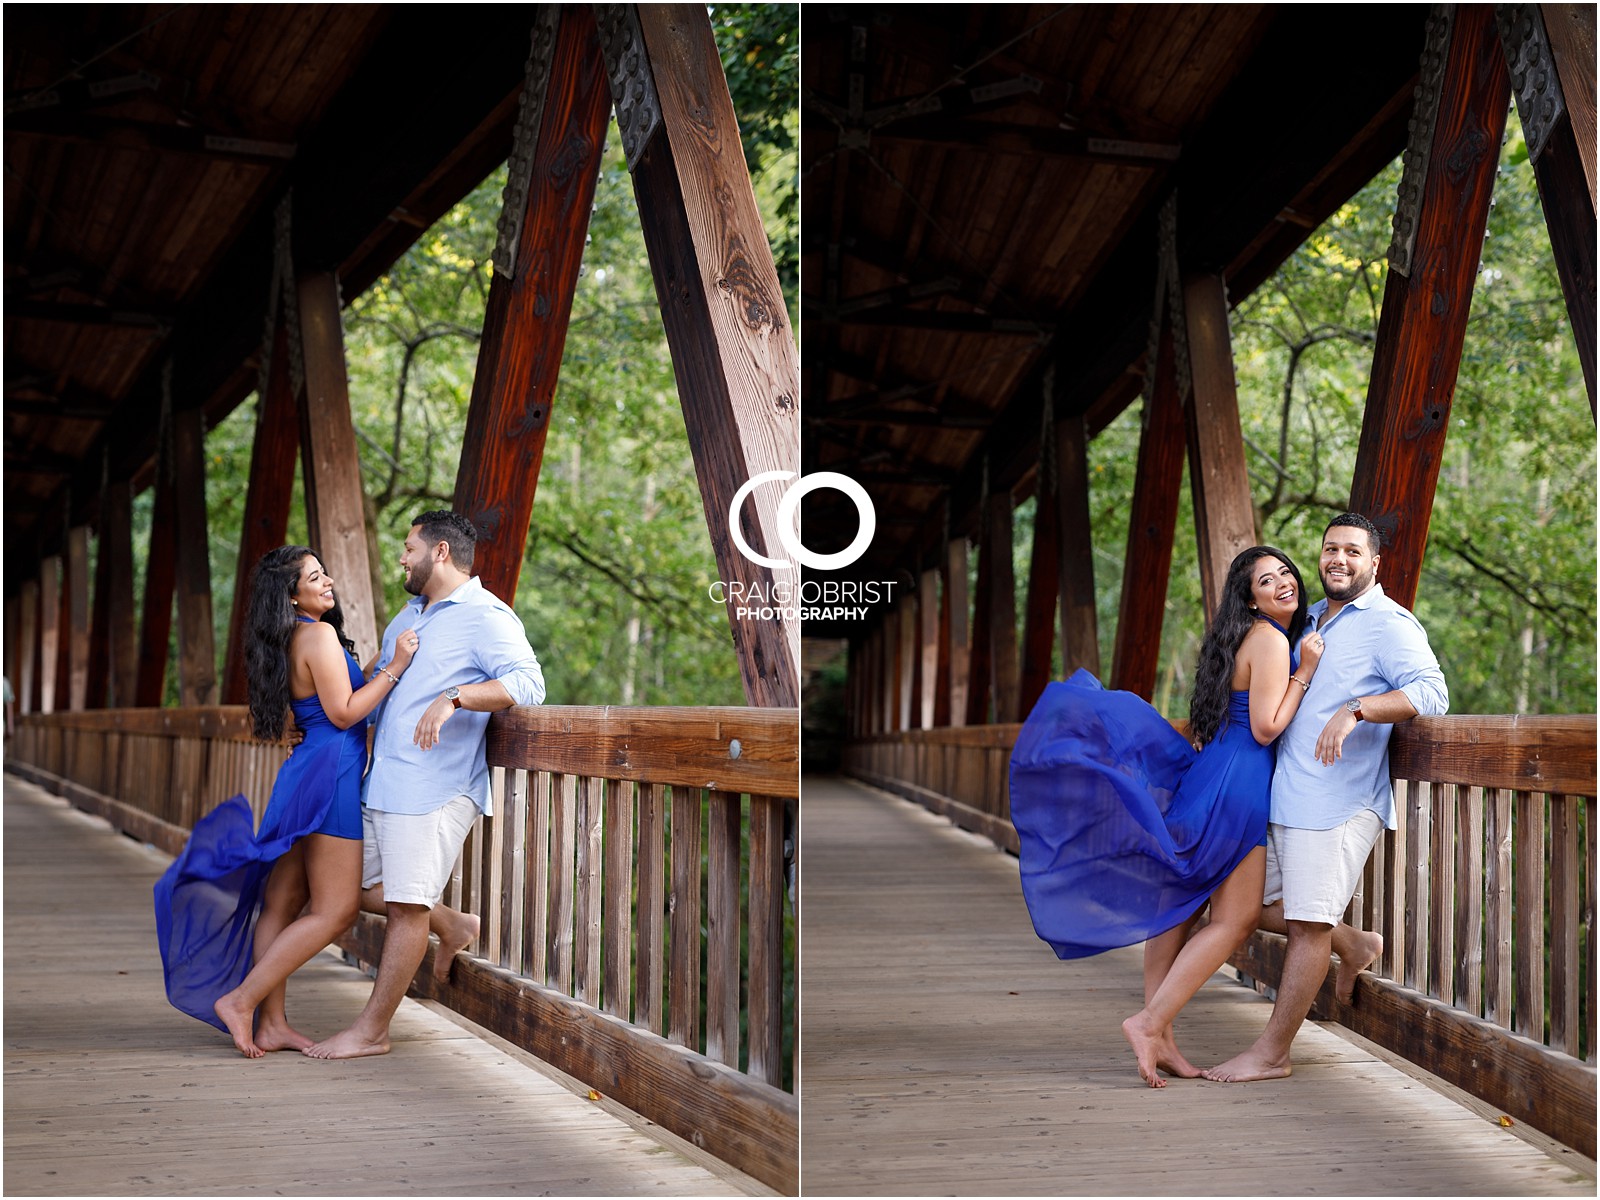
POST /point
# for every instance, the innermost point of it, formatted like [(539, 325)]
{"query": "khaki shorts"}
[(414, 854), (1315, 871)]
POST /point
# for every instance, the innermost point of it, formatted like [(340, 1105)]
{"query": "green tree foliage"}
[(1508, 584)]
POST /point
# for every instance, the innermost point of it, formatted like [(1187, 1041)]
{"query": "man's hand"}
[(433, 719), (1330, 742)]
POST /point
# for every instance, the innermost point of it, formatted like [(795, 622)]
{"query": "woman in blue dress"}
[(1127, 831), (240, 910)]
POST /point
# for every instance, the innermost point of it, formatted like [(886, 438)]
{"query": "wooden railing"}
[(627, 846), (1485, 896)]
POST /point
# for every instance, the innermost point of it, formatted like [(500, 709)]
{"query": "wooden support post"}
[(1044, 577), (1080, 634), (113, 638), (928, 609), (888, 704), (49, 636), (1429, 291), (335, 515), (13, 656), (27, 652), (525, 325), (1550, 52), (980, 669), (75, 624), (197, 647), (160, 581), (1002, 610), (266, 505), (1151, 524), (950, 699), (1224, 518), (906, 656), (733, 350)]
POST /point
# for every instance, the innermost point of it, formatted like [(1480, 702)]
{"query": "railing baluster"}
[(1528, 1016), (1469, 913), (489, 885), (618, 943), (1418, 826), (563, 848), (1442, 900), (1497, 908), (1564, 889), (513, 872), (722, 929), (1586, 969), (683, 1011), (766, 938), (1395, 950), (586, 908), (652, 905), (538, 850)]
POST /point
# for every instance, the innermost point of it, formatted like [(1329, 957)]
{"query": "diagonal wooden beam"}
[(525, 325), (1445, 195), (733, 350)]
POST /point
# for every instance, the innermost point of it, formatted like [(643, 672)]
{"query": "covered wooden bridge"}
[(1023, 219), (192, 193)]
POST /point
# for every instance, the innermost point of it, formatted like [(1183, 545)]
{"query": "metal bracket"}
[(1419, 140), (633, 85), (525, 140), (1540, 101)]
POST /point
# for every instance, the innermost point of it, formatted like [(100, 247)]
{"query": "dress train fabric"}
[(1125, 829)]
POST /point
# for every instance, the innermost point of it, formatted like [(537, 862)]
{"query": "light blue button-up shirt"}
[(470, 636), (1373, 646)]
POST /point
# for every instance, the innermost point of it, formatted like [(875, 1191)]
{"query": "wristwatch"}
[(1354, 706), (453, 694)]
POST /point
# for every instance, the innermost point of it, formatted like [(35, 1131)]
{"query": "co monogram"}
[(786, 511)]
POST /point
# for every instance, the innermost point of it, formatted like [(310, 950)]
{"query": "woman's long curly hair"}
[(1234, 618), (270, 624)]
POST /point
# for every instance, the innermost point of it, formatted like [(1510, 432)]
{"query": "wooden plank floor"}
[(946, 1051), (109, 1091)]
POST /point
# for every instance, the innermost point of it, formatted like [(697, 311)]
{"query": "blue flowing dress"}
[(1125, 830), (208, 900)]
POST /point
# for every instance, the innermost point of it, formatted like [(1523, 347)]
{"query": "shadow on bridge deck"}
[(109, 1091), (946, 1051)]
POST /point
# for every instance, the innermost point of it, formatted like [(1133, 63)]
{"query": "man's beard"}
[(1355, 584), (417, 578)]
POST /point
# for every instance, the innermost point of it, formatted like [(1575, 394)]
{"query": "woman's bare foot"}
[(460, 932), (240, 1020), (1146, 1038), (346, 1044), (1249, 1067), (1171, 1060), (1344, 981), (280, 1035)]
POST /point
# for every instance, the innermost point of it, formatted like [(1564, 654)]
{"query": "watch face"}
[(450, 693)]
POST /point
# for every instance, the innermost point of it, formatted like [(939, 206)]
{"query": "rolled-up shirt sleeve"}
[(506, 655), (1409, 663)]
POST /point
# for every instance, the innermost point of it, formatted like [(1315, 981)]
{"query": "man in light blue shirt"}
[(1331, 794), (429, 780)]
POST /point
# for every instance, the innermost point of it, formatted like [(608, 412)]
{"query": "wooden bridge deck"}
[(945, 1051), (109, 1091)]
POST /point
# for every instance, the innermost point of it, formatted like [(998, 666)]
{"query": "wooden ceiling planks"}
[(1069, 242), (118, 203)]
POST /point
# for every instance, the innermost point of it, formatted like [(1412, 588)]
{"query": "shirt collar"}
[(1319, 610), (464, 592)]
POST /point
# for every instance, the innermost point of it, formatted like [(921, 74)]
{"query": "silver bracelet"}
[(390, 674), (1301, 682)]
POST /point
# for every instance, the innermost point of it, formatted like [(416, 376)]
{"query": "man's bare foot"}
[(1171, 1060), (1146, 1039), (461, 932), (280, 1035), (1344, 981), (346, 1044), (1249, 1067), (240, 1020)]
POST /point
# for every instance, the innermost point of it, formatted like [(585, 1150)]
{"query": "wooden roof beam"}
[(155, 135), (1033, 141)]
